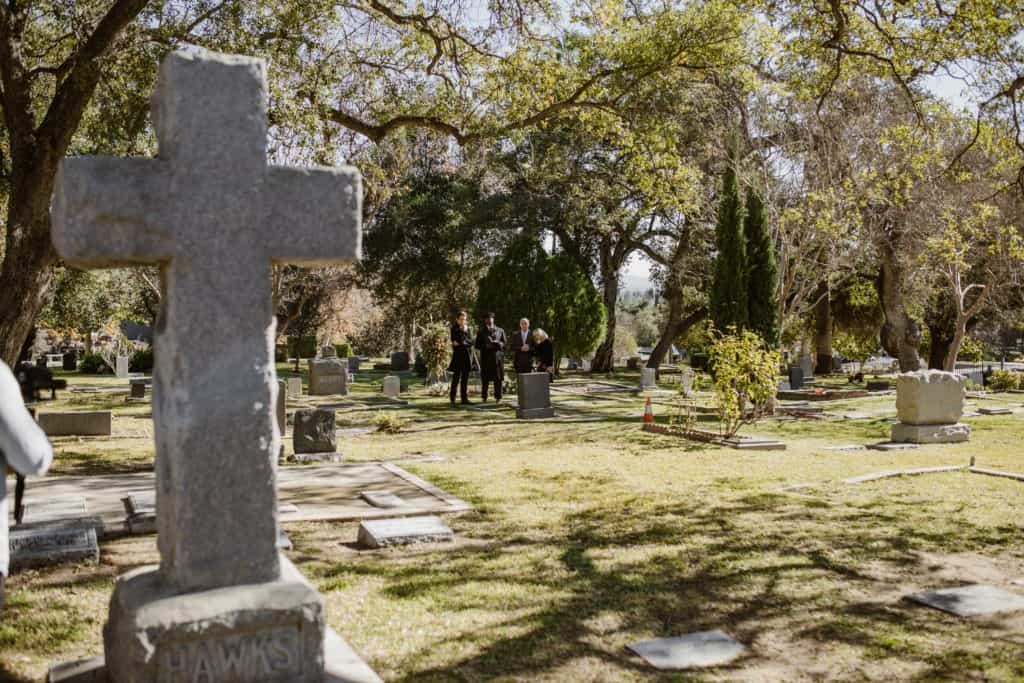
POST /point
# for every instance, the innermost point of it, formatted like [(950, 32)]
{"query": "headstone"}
[(353, 364), (81, 423), (648, 378), (534, 395), (224, 602), (399, 361), (41, 546), (585, 364), (281, 410), (971, 601), (379, 533), (70, 361), (294, 387), (313, 431), (707, 648), (806, 363), (382, 499), (138, 388), (328, 377), (796, 378), (328, 351), (686, 381), (878, 385), (929, 404), (392, 386), (121, 367)]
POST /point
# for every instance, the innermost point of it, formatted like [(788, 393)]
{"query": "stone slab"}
[(380, 533), (534, 413), (927, 433), (971, 601), (307, 458), (341, 665), (842, 448), (43, 546), (315, 492), (706, 648), (50, 509), (891, 446), (754, 444), (382, 499), (81, 423), (995, 411)]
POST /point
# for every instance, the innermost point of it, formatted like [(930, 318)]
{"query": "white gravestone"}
[(121, 369), (686, 381), (294, 387), (929, 404), (215, 217), (648, 378), (392, 386)]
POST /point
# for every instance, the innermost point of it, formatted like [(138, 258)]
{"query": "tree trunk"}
[(901, 335), (823, 333), (88, 342), (949, 362), (676, 327), (604, 357)]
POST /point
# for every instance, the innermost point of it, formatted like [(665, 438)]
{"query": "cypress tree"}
[(729, 287), (762, 309)]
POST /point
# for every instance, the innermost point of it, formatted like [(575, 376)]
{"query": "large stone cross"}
[(214, 216)]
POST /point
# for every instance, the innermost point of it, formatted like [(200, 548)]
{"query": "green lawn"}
[(590, 534)]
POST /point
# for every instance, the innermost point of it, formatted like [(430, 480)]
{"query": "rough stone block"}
[(945, 433), (272, 631), (83, 423), (378, 533), (929, 397), (314, 431)]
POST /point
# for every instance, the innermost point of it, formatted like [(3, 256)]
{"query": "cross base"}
[(264, 632)]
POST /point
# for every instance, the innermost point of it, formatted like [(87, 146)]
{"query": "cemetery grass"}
[(589, 534)]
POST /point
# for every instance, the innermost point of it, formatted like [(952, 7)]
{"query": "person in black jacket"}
[(522, 346), (462, 342), (545, 352), (490, 341)]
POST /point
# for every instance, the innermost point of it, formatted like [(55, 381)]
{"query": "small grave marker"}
[(392, 386), (845, 447), (706, 648), (45, 546), (48, 510), (971, 601), (313, 431), (379, 533), (995, 411), (81, 423), (892, 446), (382, 499)]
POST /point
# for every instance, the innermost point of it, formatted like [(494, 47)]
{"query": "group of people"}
[(527, 345)]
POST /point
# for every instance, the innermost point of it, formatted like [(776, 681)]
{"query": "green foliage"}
[(93, 364), (83, 301), (389, 422), (745, 378), (972, 350), (854, 347), (762, 301), (141, 361), (302, 347), (552, 291), (344, 350), (1005, 380), (729, 286), (436, 350)]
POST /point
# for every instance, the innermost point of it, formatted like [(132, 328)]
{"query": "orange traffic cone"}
[(648, 412)]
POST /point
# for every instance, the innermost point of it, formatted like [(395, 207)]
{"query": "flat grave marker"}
[(52, 509), (382, 499), (52, 544), (380, 533), (705, 648), (79, 423), (995, 411), (971, 601)]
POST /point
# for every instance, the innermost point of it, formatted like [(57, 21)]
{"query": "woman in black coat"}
[(545, 352), (462, 342)]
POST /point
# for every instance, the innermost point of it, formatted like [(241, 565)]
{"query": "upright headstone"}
[(294, 387), (138, 388), (314, 431), (399, 361), (328, 351), (534, 396), (807, 365), (328, 377), (121, 369), (353, 364), (929, 404), (70, 361), (392, 386), (796, 378), (224, 604), (648, 379), (281, 411), (686, 381)]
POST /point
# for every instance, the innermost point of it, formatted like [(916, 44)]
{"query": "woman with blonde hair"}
[(545, 352)]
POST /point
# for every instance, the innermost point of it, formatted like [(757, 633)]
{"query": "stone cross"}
[(215, 217)]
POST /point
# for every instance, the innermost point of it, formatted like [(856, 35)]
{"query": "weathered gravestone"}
[(121, 367), (929, 404), (686, 381), (353, 364), (137, 388), (41, 545), (294, 387), (78, 423), (806, 364), (224, 604), (392, 386), (281, 407), (534, 394), (328, 377), (328, 351), (399, 361), (379, 533), (69, 361), (796, 378), (314, 431), (648, 379), (706, 648)]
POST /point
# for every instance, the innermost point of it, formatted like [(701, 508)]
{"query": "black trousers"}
[(460, 376), (484, 383)]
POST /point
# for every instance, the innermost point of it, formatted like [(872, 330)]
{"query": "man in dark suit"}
[(522, 345), (462, 342), (490, 342)]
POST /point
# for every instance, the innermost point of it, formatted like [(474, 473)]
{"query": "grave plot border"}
[(740, 444)]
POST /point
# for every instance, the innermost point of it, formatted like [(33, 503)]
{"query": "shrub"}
[(390, 423), (344, 350), (302, 347), (141, 361), (1005, 380), (436, 350), (745, 376), (93, 364)]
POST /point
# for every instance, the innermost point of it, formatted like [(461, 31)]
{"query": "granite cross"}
[(214, 216)]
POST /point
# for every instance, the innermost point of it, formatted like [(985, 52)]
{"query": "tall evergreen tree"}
[(729, 286), (762, 302)]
